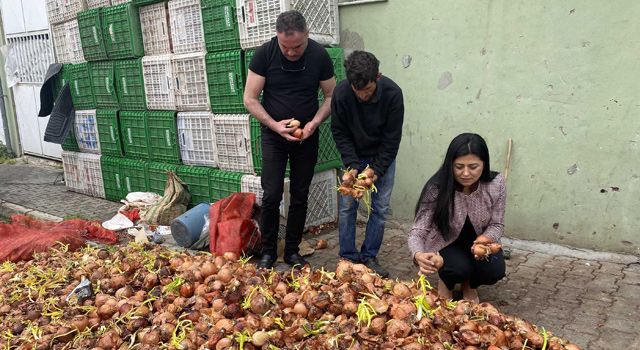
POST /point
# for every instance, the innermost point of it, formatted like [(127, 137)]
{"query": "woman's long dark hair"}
[(444, 180)]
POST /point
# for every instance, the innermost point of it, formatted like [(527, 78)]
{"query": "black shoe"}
[(295, 260), (267, 261), (375, 266)]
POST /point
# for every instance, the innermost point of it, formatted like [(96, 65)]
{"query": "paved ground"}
[(591, 298)]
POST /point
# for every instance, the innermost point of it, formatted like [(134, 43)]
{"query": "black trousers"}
[(302, 159), (460, 265)]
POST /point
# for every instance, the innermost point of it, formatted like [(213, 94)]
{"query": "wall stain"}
[(562, 131), (445, 80), (351, 41), (556, 225)]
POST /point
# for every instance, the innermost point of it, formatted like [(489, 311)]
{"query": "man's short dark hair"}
[(291, 21), (361, 67)]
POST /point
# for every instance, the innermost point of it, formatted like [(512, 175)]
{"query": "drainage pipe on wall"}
[(5, 121)]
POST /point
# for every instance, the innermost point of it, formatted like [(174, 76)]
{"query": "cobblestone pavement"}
[(590, 298), (41, 188)]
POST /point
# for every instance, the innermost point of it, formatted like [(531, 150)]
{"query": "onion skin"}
[(297, 133), (294, 124)]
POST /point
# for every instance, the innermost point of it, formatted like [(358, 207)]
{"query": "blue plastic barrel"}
[(186, 228)]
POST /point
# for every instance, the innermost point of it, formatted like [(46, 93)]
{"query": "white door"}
[(28, 124), (27, 35)]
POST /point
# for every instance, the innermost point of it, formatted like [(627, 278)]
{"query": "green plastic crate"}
[(226, 81), (102, 81), (163, 136), (197, 180), (135, 140), (157, 176), (61, 79), (135, 176), (71, 143), (248, 55), (91, 39), (337, 57), (109, 132), (80, 84), (121, 30), (112, 177), (130, 84), (256, 146), (220, 24), (145, 2), (224, 183), (328, 155)]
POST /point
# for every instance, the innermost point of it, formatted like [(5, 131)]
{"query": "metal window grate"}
[(33, 53)]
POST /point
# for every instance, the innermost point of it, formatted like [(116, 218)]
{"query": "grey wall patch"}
[(350, 41), (446, 79), (406, 61)]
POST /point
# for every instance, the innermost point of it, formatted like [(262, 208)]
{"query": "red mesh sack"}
[(26, 235), (230, 226)]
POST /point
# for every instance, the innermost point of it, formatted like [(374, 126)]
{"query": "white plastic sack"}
[(117, 223)]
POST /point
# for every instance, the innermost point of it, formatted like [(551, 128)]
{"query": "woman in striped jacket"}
[(462, 201)]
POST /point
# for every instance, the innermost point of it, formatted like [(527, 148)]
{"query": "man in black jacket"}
[(367, 112)]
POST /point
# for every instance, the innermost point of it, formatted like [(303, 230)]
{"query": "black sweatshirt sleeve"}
[(392, 135), (342, 135)]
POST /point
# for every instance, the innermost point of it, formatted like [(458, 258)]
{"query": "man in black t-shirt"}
[(367, 114), (288, 71)]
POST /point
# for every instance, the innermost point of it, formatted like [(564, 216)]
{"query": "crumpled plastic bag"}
[(118, 222)]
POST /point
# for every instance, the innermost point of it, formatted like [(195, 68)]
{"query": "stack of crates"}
[(163, 91), (65, 30), (257, 20)]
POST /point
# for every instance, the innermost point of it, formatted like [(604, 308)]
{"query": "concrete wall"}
[(559, 78)]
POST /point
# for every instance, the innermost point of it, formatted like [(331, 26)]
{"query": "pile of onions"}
[(151, 297)]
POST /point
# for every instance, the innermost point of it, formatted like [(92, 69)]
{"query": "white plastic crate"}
[(73, 44), (158, 82), (323, 199), (91, 172), (66, 41), (72, 171), (59, 35), (118, 2), (257, 20), (92, 4), (233, 142), (187, 34), (191, 89), (87, 131), (59, 11), (322, 19), (155, 29), (197, 141), (253, 184)]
